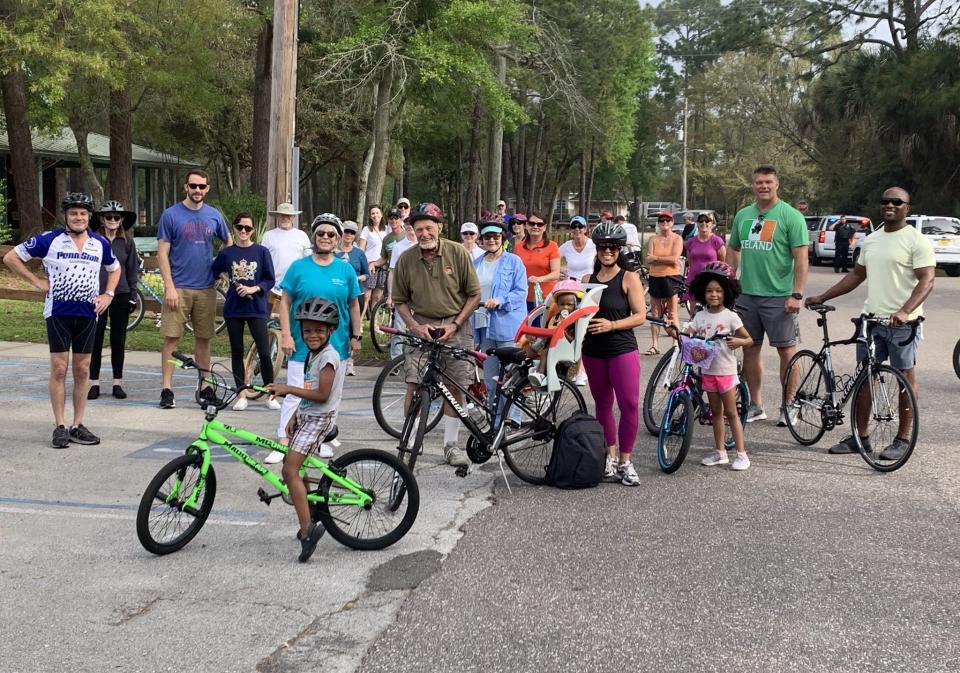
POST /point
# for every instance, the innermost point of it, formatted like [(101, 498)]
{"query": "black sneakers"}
[(93, 393), (80, 435), (119, 393), (208, 397), (61, 437), (309, 544), (849, 445), (166, 399)]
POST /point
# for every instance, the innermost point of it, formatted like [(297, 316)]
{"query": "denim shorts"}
[(887, 342)]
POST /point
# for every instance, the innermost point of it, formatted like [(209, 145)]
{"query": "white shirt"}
[(398, 249), (286, 246), (632, 237), (579, 264), (374, 242)]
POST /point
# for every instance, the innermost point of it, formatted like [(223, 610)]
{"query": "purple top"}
[(700, 253)]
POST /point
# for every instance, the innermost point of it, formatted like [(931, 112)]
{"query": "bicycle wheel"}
[(383, 522), (893, 415), (956, 359), (251, 364), (676, 431), (163, 525), (807, 375), (661, 382), (388, 394), (380, 316), (137, 314), (538, 414)]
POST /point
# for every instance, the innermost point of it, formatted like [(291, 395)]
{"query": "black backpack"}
[(579, 453)]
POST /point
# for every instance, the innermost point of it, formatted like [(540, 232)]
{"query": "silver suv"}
[(944, 233), (822, 244)]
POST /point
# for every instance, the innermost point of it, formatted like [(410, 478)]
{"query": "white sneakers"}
[(274, 404), (273, 458), (241, 403), (580, 380)]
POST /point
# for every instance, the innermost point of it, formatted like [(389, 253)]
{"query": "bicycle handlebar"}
[(869, 318), (419, 342), (186, 362)]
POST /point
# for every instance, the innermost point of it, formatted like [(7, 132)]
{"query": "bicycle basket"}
[(699, 352)]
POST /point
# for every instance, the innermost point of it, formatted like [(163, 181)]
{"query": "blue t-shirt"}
[(190, 235), (355, 258), (249, 266), (74, 275), (335, 282)]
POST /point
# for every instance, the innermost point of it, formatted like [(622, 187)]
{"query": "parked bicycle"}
[(524, 440), (686, 403), (814, 396), (354, 497), (251, 361)]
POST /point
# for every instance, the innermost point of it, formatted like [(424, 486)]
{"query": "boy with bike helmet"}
[(319, 400)]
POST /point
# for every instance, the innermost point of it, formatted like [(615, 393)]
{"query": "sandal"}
[(653, 350)]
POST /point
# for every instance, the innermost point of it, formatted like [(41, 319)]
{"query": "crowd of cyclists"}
[(476, 292)]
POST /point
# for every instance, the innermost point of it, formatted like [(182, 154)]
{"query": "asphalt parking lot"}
[(806, 562)]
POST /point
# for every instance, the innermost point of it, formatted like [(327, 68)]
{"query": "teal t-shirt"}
[(766, 242), (336, 282)]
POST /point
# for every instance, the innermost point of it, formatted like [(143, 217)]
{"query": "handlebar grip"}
[(185, 360), (386, 329)]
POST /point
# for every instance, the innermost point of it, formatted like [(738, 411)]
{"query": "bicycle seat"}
[(332, 434), (508, 354), (822, 308)]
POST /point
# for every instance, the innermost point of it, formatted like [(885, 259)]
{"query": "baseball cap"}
[(404, 201), (502, 203), (394, 214), (469, 227), (491, 228), (350, 225), (665, 213)]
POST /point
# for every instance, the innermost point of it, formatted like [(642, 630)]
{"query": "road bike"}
[(688, 402), (814, 395), (353, 497), (138, 311), (525, 439), (380, 315)]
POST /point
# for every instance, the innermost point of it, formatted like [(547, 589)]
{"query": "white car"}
[(822, 244), (944, 233)]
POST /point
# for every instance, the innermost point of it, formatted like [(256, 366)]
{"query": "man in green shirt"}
[(768, 242)]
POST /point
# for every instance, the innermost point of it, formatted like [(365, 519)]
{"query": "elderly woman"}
[(503, 293)]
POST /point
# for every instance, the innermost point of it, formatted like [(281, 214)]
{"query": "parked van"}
[(822, 245), (944, 233)]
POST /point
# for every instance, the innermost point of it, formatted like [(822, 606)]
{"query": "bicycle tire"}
[(380, 315), (154, 507), (882, 436), (677, 422), (389, 392), (251, 364), (956, 359), (138, 310), (376, 472), (657, 392), (810, 397), (529, 459)]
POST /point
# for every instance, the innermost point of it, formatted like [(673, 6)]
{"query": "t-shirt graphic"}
[(243, 269), (762, 230)]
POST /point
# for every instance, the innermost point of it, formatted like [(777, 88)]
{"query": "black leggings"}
[(118, 313), (258, 330)]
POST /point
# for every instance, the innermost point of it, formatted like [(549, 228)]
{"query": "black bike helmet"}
[(427, 211), (77, 200), (129, 218), (608, 233), (318, 309), (630, 258), (327, 218)]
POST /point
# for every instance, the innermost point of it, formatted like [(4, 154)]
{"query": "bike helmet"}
[(608, 233), (327, 218), (723, 274), (77, 200), (318, 309), (129, 218), (631, 258), (427, 211), (570, 285)]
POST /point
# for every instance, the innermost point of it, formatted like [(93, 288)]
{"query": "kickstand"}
[(503, 472)]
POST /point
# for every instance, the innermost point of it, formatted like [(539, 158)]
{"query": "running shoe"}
[(308, 544), (61, 437), (80, 435), (715, 458), (755, 413), (628, 475), (741, 462), (166, 399), (895, 450)]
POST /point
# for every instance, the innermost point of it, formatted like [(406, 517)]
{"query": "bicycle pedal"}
[(462, 471), (265, 497)]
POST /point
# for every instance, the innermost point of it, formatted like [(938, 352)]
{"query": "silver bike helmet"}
[(327, 218), (318, 309)]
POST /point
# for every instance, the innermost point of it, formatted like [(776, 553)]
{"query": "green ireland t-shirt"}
[(766, 242)]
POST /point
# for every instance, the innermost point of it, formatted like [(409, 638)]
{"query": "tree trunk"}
[(473, 176), (362, 180), (262, 83), (591, 174), (21, 152), (381, 138), (121, 149), (521, 161), (532, 203), (405, 188), (494, 158), (582, 196), (87, 174)]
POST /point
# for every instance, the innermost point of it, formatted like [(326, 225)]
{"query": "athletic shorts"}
[(766, 315), (664, 287), (71, 333), (887, 346), (459, 370), (311, 429), (718, 383), (197, 306)]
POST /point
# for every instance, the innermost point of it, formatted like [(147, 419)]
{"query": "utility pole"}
[(683, 169), (283, 103)]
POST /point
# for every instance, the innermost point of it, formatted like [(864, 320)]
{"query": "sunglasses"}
[(347, 232), (536, 224), (665, 219), (111, 218), (467, 233), (491, 237), (243, 227), (578, 226), (325, 233), (894, 202), (404, 206), (608, 248), (703, 221), (193, 185)]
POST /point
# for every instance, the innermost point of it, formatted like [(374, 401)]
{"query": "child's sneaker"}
[(610, 470), (537, 380), (628, 475), (715, 458), (309, 543), (741, 462)]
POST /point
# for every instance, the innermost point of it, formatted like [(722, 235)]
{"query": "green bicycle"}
[(354, 497)]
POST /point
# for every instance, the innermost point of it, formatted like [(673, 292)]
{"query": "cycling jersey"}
[(74, 275)]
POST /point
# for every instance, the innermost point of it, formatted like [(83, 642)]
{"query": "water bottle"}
[(478, 416)]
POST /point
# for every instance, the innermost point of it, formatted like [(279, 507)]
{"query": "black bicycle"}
[(520, 422), (956, 359), (814, 396)]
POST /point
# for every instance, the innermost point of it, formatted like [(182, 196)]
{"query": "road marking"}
[(118, 517), (74, 505)]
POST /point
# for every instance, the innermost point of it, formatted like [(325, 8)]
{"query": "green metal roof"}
[(64, 146)]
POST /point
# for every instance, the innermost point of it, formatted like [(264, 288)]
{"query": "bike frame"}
[(839, 396)]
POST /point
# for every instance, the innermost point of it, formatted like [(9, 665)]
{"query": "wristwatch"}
[(109, 293), (796, 295), (356, 336)]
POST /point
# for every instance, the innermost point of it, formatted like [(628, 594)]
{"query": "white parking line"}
[(118, 517)]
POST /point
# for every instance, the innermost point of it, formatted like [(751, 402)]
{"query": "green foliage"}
[(6, 231), (232, 204)]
